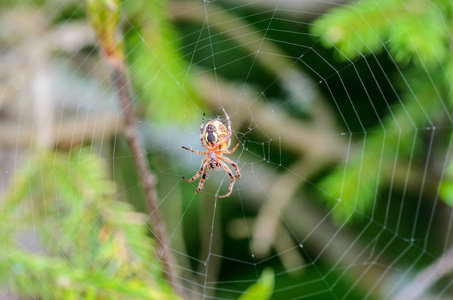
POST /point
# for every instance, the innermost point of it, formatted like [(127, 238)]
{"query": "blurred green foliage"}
[(104, 16), (414, 30), (446, 191), (415, 35), (159, 74), (90, 244), (87, 243), (262, 289)]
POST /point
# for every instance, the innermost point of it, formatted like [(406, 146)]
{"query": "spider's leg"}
[(194, 151), (201, 130), (203, 177), (235, 166), (230, 188), (232, 150), (203, 166), (221, 141), (228, 120)]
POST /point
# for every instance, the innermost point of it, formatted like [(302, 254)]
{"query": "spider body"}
[(216, 131), (214, 159), (216, 138)]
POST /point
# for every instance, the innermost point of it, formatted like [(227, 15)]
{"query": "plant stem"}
[(145, 175)]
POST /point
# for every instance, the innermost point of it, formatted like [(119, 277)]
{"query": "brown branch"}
[(148, 179), (105, 16), (426, 278)]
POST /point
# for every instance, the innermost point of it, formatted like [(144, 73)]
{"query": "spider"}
[(216, 138)]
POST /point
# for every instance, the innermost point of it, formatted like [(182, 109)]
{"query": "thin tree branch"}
[(426, 278), (105, 17), (147, 178)]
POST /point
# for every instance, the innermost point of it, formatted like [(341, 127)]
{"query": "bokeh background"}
[(343, 110)]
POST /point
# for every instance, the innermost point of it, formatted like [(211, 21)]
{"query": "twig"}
[(105, 16), (426, 278), (148, 179)]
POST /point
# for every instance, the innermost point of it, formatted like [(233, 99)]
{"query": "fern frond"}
[(375, 156), (412, 30), (91, 243)]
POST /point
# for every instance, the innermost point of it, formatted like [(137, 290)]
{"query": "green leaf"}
[(262, 289), (446, 190)]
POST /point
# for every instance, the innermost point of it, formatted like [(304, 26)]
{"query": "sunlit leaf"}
[(262, 289)]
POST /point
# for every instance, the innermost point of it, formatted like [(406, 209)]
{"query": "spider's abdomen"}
[(214, 132), (211, 136)]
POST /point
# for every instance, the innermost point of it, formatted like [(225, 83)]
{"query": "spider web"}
[(342, 175)]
